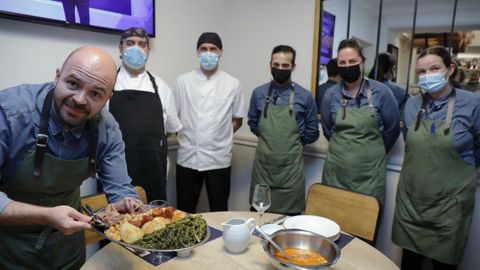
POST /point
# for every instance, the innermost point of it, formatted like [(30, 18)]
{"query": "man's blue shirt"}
[(303, 105), (20, 110), (387, 114)]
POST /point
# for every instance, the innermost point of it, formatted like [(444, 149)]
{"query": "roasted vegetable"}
[(130, 233), (154, 225)]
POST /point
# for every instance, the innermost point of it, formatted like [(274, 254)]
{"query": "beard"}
[(73, 114)]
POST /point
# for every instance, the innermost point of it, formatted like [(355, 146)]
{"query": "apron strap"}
[(290, 103), (421, 112), (451, 105), (448, 121), (268, 99), (42, 136), (43, 237), (369, 98), (343, 103), (152, 79), (92, 134), (343, 100)]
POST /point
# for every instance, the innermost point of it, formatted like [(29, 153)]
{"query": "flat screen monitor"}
[(328, 28), (97, 15)]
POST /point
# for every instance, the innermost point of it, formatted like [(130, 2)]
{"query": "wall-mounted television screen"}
[(328, 28), (97, 15)]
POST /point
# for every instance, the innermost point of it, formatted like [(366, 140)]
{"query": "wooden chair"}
[(356, 213), (99, 200)]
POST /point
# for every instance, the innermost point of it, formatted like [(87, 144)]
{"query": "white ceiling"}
[(437, 14)]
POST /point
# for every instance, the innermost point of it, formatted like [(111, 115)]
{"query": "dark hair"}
[(459, 74), (385, 64), (134, 32), (285, 49), (351, 43), (442, 53), (438, 51), (332, 68)]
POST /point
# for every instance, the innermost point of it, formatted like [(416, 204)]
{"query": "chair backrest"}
[(99, 200), (356, 213)]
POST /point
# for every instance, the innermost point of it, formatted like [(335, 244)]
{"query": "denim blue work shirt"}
[(303, 105), (321, 90), (465, 120), (20, 110), (399, 94), (386, 109)]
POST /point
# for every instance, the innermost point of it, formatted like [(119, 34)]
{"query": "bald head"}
[(84, 84), (95, 60)]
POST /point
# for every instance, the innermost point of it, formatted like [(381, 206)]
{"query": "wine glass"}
[(261, 199), (158, 204), (159, 258)]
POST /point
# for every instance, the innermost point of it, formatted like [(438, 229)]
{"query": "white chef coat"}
[(206, 108), (141, 82)]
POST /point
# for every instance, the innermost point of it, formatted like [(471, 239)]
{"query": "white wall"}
[(363, 26), (249, 29)]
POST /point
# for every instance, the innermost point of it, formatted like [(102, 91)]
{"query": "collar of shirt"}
[(125, 80), (331, 82), (281, 91), (283, 88), (437, 104), (203, 77), (349, 94)]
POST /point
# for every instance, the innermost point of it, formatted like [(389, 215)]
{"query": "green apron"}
[(38, 246), (279, 158), (356, 158), (436, 193)]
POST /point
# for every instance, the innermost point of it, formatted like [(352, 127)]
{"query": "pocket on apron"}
[(279, 170), (437, 212), (361, 179)]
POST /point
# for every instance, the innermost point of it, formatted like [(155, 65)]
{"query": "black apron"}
[(53, 182), (140, 116)]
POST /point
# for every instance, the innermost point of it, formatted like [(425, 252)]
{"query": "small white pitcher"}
[(236, 234)]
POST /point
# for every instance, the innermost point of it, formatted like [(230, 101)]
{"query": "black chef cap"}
[(135, 32), (210, 37)]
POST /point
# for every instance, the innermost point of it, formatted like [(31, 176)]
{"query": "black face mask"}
[(350, 73), (281, 76)]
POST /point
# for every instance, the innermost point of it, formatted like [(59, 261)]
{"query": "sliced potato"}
[(153, 225), (178, 214), (130, 233)]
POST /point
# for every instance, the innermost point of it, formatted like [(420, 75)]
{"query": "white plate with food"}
[(319, 225), (154, 229)]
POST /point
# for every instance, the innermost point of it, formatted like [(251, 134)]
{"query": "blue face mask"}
[(432, 83), (208, 60), (134, 57), (323, 77)]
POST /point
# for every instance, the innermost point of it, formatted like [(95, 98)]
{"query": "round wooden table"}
[(356, 255)]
